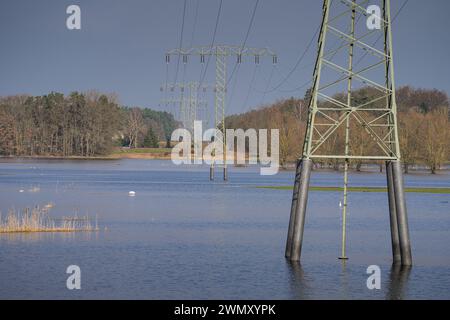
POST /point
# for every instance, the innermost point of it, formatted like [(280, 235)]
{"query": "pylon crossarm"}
[(357, 157), (222, 49), (351, 109)]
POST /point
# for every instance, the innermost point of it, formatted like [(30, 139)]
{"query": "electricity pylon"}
[(363, 120), (221, 53), (191, 107)]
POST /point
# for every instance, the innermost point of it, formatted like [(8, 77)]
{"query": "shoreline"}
[(166, 155), (111, 157)]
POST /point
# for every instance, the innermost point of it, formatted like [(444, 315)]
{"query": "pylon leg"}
[(396, 254), (300, 211), (402, 218), (211, 173), (225, 174), (399, 278), (298, 171)]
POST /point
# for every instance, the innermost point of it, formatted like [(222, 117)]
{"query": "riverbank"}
[(109, 157), (142, 153), (117, 154), (165, 154)]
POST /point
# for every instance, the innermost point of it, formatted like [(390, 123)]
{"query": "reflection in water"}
[(298, 283), (303, 286), (398, 281), (344, 280), (209, 230)]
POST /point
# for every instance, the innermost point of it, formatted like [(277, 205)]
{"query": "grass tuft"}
[(38, 220)]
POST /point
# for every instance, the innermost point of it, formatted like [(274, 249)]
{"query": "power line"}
[(237, 66), (246, 36), (251, 23), (268, 84), (300, 59), (181, 39), (400, 10), (212, 42), (245, 106), (381, 35), (195, 22), (359, 60), (333, 55)]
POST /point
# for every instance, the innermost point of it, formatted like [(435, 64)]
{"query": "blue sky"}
[(121, 46)]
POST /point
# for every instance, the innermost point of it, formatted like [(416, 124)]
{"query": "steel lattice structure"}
[(191, 107), (376, 116), (345, 42), (221, 53)]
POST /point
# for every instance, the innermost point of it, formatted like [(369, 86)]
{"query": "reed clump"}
[(39, 220)]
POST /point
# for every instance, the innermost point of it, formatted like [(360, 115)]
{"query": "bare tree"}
[(135, 126), (436, 136)]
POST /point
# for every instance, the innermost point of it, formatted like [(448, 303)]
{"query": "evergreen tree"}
[(151, 140)]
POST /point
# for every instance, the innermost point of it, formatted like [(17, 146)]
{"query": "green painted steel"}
[(331, 116), (328, 116), (221, 54), (191, 107)]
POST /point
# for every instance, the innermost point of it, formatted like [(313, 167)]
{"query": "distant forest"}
[(424, 127), (80, 124), (91, 124)]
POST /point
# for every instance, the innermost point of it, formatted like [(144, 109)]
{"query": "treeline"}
[(146, 127), (80, 124), (424, 129)]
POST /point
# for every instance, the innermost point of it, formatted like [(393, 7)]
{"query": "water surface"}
[(184, 237)]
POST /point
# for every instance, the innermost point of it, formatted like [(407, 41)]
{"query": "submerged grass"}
[(363, 189), (38, 220)]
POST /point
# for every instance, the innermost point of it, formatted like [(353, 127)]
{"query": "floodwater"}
[(184, 237)]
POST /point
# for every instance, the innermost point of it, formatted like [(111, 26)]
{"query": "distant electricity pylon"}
[(221, 53), (367, 122), (191, 106)]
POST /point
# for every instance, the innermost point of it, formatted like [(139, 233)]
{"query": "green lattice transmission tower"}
[(352, 113), (191, 106), (221, 54)]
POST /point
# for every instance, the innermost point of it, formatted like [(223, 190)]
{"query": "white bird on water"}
[(131, 193)]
